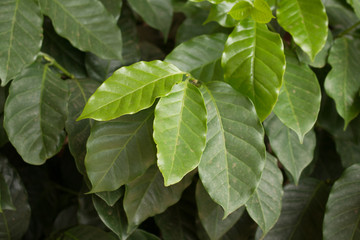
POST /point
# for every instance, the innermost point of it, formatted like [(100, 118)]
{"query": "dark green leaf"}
[(35, 113), (131, 89), (142, 235), (20, 36), (356, 5), (111, 197), (118, 151), (251, 68), (113, 6), (93, 30), (84, 232), (234, 156), (5, 196)]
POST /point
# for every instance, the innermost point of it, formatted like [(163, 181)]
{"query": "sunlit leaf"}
[(219, 13)]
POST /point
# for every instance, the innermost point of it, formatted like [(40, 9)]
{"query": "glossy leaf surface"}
[(93, 30), (343, 209), (131, 89), (287, 147), (35, 113), (219, 13), (234, 156), (118, 151), (251, 68), (20, 36), (299, 100)]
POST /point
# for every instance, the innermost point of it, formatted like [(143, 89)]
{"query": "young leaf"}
[(157, 13), (200, 56), (180, 131), (342, 83), (131, 89), (20, 36), (298, 105), (118, 151), (342, 215), (234, 156), (241, 10), (264, 206), (147, 196), (306, 21), (251, 68), (93, 30), (35, 113), (261, 12), (287, 147), (211, 214), (302, 212)]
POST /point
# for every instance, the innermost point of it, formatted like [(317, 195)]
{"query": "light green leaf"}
[(261, 12), (35, 113), (131, 89), (342, 215), (87, 25), (111, 197), (5, 196), (118, 151), (20, 36), (356, 5), (85, 232), (302, 212), (306, 21), (287, 147), (234, 156), (180, 131), (219, 13), (200, 56), (242, 9), (264, 206), (211, 214), (251, 68), (78, 131), (147, 196), (157, 13), (298, 105), (342, 82)]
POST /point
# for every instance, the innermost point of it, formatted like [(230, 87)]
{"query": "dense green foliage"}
[(180, 119)]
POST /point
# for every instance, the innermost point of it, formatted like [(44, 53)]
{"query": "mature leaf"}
[(85, 232), (20, 36), (118, 151), (303, 208), (298, 105), (113, 6), (219, 13), (157, 13), (142, 235), (259, 10), (211, 214), (78, 131), (87, 25), (306, 21), (342, 83), (5, 196), (200, 56), (100, 69), (147, 196), (356, 5), (264, 206), (251, 68), (35, 113), (111, 197), (295, 156), (131, 89), (14, 223), (340, 16), (234, 156), (180, 131), (343, 207)]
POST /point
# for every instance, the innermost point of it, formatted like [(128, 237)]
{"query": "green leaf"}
[(251, 68), (157, 13), (142, 235), (241, 10), (234, 156), (356, 5), (35, 113), (342, 215), (219, 13), (302, 212), (261, 12), (111, 197), (147, 196), (85, 232), (211, 214), (113, 6), (298, 105), (118, 151), (342, 83), (287, 147), (131, 89), (78, 131), (5, 196), (200, 56), (93, 30), (180, 131), (20, 36), (306, 21), (264, 206), (14, 223), (340, 16)]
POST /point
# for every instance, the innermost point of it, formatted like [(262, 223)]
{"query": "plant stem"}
[(346, 31), (53, 62)]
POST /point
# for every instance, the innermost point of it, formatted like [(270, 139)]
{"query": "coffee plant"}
[(180, 119)]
